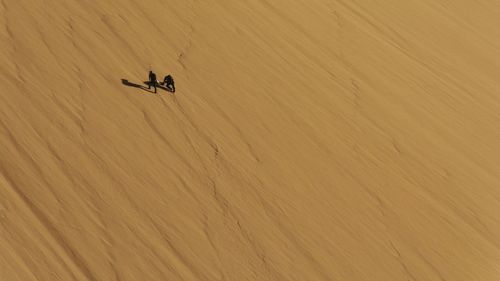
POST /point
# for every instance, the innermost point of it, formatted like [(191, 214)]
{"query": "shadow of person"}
[(130, 84)]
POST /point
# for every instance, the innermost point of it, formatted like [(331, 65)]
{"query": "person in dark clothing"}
[(152, 80), (168, 81)]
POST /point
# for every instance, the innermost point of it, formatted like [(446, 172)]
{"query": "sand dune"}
[(314, 140)]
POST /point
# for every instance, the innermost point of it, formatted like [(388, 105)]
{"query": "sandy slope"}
[(308, 140)]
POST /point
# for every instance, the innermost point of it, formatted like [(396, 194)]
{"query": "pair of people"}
[(168, 82)]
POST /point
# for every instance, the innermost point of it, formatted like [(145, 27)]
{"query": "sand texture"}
[(307, 140)]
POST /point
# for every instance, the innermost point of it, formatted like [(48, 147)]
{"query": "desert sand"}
[(307, 140)]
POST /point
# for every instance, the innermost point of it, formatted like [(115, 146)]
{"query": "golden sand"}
[(307, 140)]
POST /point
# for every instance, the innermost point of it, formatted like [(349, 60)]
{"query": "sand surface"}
[(307, 140)]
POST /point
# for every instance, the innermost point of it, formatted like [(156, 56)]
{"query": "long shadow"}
[(130, 84)]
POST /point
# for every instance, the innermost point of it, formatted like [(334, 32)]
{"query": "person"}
[(168, 81), (152, 80)]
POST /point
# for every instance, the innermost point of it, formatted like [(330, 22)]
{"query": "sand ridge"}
[(327, 140)]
